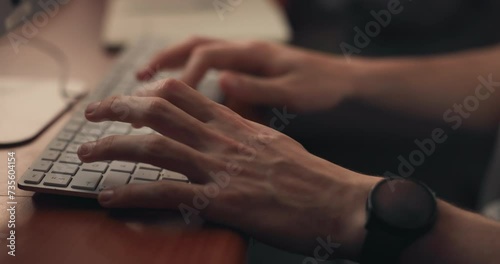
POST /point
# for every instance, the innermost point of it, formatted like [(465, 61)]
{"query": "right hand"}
[(261, 73), (250, 177)]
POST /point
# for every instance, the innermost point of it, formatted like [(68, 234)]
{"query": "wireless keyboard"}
[(58, 169)]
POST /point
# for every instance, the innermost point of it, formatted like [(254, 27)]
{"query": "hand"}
[(250, 176), (260, 73)]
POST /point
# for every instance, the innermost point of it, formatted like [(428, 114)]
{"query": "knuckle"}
[(155, 85), (279, 137), (281, 163), (114, 102), (117, 108), (223, 111), (169, 84), (169, 87)]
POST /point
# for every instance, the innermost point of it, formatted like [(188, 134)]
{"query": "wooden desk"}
[(57, 229)]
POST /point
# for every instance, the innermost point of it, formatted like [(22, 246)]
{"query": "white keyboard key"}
[(70, 158), (78, 118), (34, 177), (57, 180), (72, 127), (114, 179), (141, 131), (93, 131), (64, 168), (147, 175), (118, 128), (42, 165), (65, 136), (122, 166), (80, 138), (51, 155), (95, 166), (58, 145), (72, 148), (173, 176), (148, 167), (86, 180)]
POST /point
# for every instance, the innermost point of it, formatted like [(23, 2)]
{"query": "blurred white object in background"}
[(30, 105), (127, 20)]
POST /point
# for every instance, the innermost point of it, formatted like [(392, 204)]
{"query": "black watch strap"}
[(382, 248)]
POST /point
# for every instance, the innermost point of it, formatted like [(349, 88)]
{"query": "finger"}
[(152, 149), (161, 194), (245, 57), (252, 90), (185, 98), (172, 57), (155, 113)]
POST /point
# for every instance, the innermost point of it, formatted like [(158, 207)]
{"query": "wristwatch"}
[(399, 211)]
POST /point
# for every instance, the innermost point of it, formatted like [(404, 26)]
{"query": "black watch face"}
[(403, 203)]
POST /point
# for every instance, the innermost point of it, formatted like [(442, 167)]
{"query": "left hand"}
[(257, 73), (251, 177)]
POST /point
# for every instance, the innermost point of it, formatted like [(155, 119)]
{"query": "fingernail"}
[(86, 148), (106, 195), (92, 107)]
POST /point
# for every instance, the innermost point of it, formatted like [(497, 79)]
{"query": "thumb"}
[(251, 89), (162, 194)]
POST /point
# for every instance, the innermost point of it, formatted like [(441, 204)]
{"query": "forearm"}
[(430, 86), (458, 237)]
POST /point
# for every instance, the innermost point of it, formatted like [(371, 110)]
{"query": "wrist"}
[(439, 241), (375, 78), (353, 225)]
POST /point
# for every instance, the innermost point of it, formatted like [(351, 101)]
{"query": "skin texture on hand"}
[(256, 179), (261, 73)]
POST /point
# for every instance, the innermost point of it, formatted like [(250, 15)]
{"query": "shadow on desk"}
[(61, 229), (152, 217)]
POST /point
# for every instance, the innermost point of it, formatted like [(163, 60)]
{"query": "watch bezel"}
[(376, 221)]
